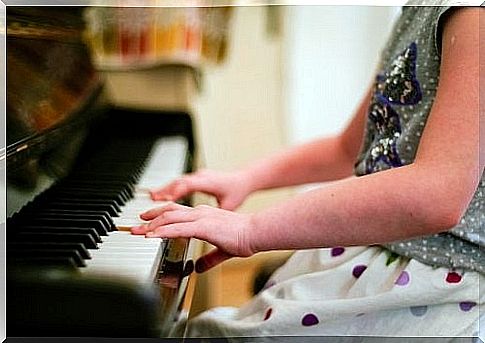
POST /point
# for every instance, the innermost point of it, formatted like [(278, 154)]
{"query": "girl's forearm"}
[(317, 161), (326, 159), (391, 205)]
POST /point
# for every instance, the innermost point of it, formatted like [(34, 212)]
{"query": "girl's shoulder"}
[(421, 25)]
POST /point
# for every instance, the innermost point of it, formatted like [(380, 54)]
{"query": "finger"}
[(175, 216), (183, 187), (139, 230), (228, 203), (211, 259), (157, 211), (167, 192), (177, 230)]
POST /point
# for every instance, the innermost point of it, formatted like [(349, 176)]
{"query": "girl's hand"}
[(230, 232), (230, 189)]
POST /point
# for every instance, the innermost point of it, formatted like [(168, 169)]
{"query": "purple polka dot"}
[(358, 270), (309, 320), (418, 311), (337, 251), (268, 313), (467, 305), (403, 279)]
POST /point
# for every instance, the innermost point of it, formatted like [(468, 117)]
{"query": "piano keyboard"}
[(81, 222)]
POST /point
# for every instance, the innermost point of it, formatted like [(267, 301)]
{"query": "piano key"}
[(99, 194), (103, 216), (56, 229), (116, 184), (81, 249), (171, 152), (44, 262), (52, 221), (53, 237), (60, 254), (122, 253), (130, 213), (93, 206)]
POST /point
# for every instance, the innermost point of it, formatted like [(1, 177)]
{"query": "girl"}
[(394, 251)]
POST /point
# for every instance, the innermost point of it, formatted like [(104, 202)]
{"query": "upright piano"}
[(78, 170)]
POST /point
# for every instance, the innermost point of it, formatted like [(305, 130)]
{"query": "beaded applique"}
[(396, 87)]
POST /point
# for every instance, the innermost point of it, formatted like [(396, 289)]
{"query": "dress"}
[(356, 294)]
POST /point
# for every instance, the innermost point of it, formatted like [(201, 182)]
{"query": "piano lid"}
[(50, 77)]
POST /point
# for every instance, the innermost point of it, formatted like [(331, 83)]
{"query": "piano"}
[(78, 171)]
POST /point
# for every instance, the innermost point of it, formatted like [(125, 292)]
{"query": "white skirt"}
[(357, 291)]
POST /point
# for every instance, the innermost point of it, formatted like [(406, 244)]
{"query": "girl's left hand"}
[(229, 231)]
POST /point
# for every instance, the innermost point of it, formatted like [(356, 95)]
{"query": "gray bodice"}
[(404, 93)]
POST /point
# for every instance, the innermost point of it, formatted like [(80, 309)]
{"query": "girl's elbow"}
[(447, 221), (443, 217), (445, 198)]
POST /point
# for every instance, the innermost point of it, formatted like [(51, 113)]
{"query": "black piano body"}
[(61, 132)]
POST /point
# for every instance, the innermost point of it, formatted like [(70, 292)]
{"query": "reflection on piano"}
[(78, 172)]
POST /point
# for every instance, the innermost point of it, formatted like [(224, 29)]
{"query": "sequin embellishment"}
[(396, 87), (401, 86)]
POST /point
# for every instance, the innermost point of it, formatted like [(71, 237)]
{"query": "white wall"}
[(240, 105), (240, 111), (330, 55)]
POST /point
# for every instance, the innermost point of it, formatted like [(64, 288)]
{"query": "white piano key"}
[(172, 152), (136, 259)]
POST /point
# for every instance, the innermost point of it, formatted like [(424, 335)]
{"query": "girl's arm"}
[(321, 160), (325, 159), (425, 197)]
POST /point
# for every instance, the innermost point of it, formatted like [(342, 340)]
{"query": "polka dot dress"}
[(358, 291)]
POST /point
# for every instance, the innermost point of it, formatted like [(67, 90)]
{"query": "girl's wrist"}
[(247, 180), (253, 179), (252, 234)]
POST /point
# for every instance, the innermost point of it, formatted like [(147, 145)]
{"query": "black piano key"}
[(132, 178), (103, 216), (101, 226), (48, 253), (66, 263), (79, 206), (91, 194), (91, 200), (112, 184), (53, 237), (94, 193), (57, 221), (62, 229), (79, 247)]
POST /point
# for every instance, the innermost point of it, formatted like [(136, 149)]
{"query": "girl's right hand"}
[(230, 189)]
